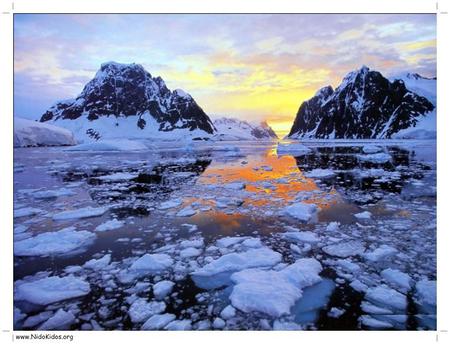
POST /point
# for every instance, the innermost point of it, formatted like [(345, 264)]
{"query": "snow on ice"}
[(304, 212), (51, 289), (273, 292), (64, 241), (80, 213)]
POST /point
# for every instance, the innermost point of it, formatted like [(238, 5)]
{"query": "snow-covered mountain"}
[(425, 128), (365, 105), (125, 101), (229, 129), (29, 133)]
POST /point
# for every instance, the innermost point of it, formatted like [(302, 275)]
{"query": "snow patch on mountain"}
[(233, 129)]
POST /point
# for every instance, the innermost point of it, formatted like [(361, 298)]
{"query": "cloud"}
[(249, 66)]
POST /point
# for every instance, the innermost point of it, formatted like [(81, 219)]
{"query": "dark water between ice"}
[(400, 194)]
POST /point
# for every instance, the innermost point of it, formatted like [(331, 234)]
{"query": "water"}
[(234, 192)]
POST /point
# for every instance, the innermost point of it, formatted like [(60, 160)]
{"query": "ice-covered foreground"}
[(226, 236)]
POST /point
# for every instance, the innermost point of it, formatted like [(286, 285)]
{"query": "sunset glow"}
[(253, 67)]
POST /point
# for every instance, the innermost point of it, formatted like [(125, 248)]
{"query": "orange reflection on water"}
[(275, 176)]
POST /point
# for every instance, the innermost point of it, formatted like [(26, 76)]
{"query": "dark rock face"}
[(365, 106), (124, 90)]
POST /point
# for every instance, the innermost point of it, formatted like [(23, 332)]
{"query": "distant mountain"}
[(124, 100), (365, 105), (234, 129)]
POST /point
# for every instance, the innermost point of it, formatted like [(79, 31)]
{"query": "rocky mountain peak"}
[(365, 105), (128, 91)]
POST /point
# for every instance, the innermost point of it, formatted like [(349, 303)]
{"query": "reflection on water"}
[(230, 193)]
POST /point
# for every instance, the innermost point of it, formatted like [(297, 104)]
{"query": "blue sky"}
[(254, 67)]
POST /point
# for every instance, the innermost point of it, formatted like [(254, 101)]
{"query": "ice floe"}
[(296, 149), (109, 225), (140, 310), (152, 263), (80, 213), (320, 173), (377, 158), (304, 212), (158, 321), (345, 249), (273, 292), (162, 289), (51, 289), (62, 320), (397, 279), (64, 241)]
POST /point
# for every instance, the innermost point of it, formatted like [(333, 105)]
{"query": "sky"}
[(249, 66)]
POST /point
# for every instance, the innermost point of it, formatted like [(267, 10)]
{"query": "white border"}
[(230, 6)]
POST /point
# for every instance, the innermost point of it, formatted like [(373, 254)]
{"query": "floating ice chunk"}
[(197, 243), (335, 312), (235, 186), (28, 211), (385, 296), (110, 145), (119, 176), (348, 265), (365, 215), (369, 149), (152, 263), (170, 204), (186, 212), (98, 264), (273, 292), (358, 286), (61, 242), (259, 257), (52, 193), (62, 320), (426, 293), (218, 323), (320, 173), (367, 307), (179, 325), (301, 211), (162, 289), (37, 319), (229, 241), (228, 312), (332, 226), (314, 299), (296, 149), (397, 279), (286, 326), (190, 252), (51, 289), (345, 249), (110, 225), (370, 322), (252, 243), (308, 237), (377, 158), (80, 213), (380, 253), (140, 310), (18, 315), (158, 321)]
